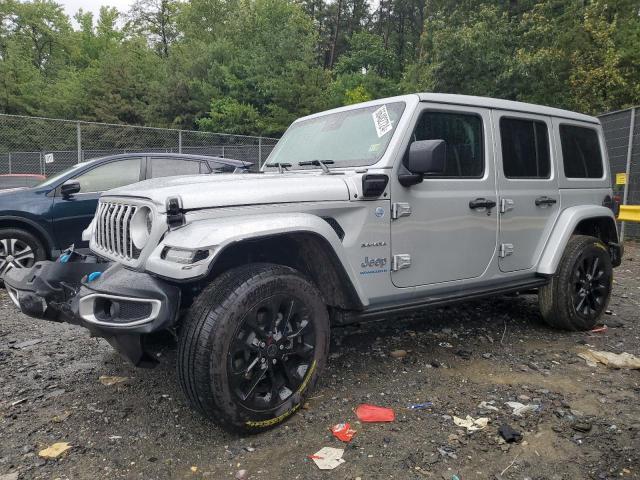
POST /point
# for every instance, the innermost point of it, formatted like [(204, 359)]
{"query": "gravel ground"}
[(587, 425)]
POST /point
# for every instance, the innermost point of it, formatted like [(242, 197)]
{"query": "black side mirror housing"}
[(69, 187), (426, 157)]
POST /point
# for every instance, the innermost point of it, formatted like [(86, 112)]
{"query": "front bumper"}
[(109, 300)]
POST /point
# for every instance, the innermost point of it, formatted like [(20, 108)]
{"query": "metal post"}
[(179, 141), (625, 195), (259, 152), (41, 163), (79, 138), (9, 163), (223, 151)]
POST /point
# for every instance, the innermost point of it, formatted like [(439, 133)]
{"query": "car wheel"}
[(19, 249), (579, 292), (253, 346)]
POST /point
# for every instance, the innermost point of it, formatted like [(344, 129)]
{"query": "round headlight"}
[(141, 227)]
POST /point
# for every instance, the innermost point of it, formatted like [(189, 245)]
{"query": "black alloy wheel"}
[(272, 352)]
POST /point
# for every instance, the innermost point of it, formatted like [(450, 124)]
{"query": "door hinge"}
[(506, 204), (400, 261), (506, 249), (400, 210)]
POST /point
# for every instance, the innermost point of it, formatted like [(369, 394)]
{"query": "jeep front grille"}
[(112, 230)]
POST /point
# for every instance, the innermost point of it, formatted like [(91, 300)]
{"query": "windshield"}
[(58, 176), (350, 139)]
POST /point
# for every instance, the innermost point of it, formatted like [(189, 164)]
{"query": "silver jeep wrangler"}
[(360, 212)]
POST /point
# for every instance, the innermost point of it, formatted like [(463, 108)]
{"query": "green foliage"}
[(253, 66)]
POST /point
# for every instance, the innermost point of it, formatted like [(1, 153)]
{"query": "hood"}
[(222, 190)]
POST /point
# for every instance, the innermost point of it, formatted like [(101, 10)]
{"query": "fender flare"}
[(564, 227), (217, 234)]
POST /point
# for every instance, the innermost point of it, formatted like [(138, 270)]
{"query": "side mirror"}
[(69, 187), (426, 157)]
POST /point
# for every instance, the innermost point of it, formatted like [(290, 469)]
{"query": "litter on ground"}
[(520, 409), (343, 432), (109, 381), (55, 450), (471, 424), (328, 458), (611, 360), (373, 413), (509, 434)]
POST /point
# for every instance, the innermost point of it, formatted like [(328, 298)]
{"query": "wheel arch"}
[(32, 227), (593, 220), (308, 252)]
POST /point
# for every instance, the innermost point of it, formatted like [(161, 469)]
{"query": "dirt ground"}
[(587, 425)]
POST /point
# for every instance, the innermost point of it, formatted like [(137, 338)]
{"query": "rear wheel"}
[(579, 293), (253, 345), (19, 249)]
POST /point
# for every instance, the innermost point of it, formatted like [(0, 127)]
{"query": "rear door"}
[(71, 215), (528, 187)]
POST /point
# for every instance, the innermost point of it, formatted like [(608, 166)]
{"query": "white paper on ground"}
[(328, 458)]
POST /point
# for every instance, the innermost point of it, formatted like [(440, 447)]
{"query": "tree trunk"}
[(332, 56)]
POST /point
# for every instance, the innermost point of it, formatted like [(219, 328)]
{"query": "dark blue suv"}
[(37, 223)]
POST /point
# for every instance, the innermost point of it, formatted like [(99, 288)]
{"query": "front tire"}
[(579, 292), (253, 346), (19, 249)]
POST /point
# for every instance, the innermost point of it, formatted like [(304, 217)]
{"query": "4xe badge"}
[(379, 212)]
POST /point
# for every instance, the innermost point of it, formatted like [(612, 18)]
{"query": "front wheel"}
[(253, 346), (579, 292), (19, 249)]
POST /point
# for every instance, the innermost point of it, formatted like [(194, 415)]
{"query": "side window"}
[(222, 167), (581, 153), (110, 175), (170, 167), (525, 148), (462, 132)]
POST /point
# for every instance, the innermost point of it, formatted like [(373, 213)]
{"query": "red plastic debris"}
[(372, 413), (601, 329), (343, 432)]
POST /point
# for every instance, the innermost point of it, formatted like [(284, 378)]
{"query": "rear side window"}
[(169, 167), (462, 132), (581, 153), (525, 148)]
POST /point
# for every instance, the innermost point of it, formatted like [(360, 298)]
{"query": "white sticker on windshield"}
[(382, 121)]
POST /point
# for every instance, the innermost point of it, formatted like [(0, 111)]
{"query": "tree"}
[(156, 20)]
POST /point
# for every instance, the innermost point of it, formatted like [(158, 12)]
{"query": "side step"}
[(375, 313)]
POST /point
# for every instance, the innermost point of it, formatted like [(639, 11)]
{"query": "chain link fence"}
[(622, 135), (47, 146)]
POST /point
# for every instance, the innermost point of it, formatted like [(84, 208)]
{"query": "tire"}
[(19, 249), (227, 331), (575, 298)]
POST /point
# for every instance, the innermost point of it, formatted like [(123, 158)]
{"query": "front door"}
[(528, 186), (71, 215), (450, 233)]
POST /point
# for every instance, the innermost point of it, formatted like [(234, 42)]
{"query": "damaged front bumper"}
[(111, 301)]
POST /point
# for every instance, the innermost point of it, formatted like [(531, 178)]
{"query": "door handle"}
[(544, 200), (481, 203)]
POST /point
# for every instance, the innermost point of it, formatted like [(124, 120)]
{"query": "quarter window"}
[(110, 175), (462, 133), (170, 167), (525, 148), (581, 153)]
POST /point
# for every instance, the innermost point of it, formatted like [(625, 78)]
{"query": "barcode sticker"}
[(382, 121)]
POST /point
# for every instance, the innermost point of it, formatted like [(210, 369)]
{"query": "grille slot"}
[(113, 230)]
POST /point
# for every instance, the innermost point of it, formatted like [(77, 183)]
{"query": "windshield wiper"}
[(280, 166), (318, 163)]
